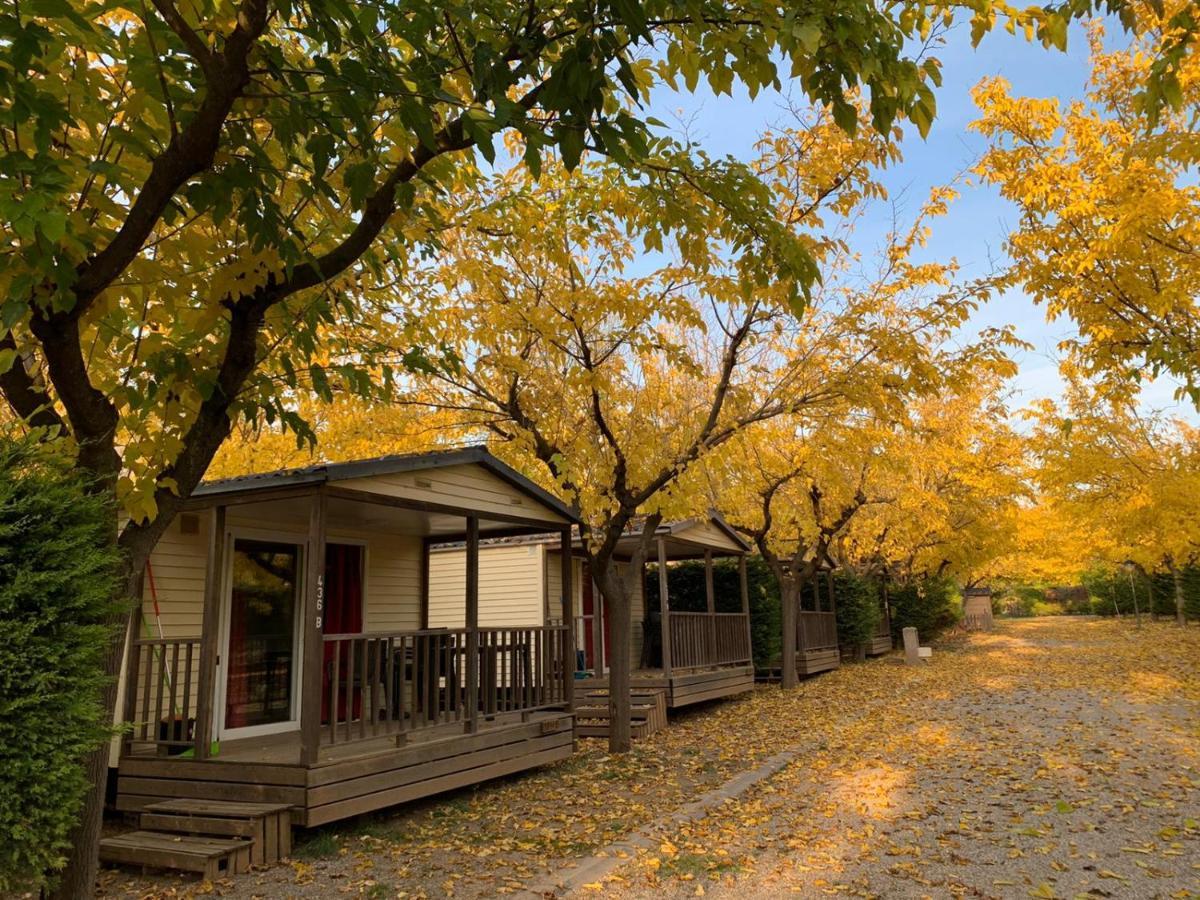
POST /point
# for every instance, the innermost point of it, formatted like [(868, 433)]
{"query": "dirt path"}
[(1052, 758)]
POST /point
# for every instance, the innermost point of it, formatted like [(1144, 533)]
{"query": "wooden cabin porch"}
[(298, 687), (817, 647), (881, 641), (702, 655)]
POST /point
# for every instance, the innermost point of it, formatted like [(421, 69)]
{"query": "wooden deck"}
[(350, 778), (686, 688), (879, 645), (811, 662)]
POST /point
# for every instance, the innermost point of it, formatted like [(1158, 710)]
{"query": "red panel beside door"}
[(343, 615)]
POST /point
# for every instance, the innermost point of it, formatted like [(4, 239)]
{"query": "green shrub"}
[(1018, 601), (57, 574), (858, 608), (930, 605)]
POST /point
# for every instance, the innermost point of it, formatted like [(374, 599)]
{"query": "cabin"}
[(691, 656), (880, 641), (817, 647), (680, 657), (977, 609), (292, 647)]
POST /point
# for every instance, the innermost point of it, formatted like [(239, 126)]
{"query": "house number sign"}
[(320, 598)]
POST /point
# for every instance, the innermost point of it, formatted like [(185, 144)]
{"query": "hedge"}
[(57, 575)]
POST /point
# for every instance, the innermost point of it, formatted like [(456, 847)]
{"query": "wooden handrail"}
[(816, 630), (394, 683), (703, 639), (163, 697)]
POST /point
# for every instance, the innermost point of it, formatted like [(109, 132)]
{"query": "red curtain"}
[(343, 615), (237, 685)]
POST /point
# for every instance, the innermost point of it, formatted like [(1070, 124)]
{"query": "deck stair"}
[(213, 837), (648, 713), (211, 857)]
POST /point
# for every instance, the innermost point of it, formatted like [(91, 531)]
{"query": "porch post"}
[(709, 596), (802, 632), (209, 633), (472, 723), (710, 600), (744, 584), (424, 586), (664, 607), (133, 661), (313, 621), (569, 662), (597, 627)]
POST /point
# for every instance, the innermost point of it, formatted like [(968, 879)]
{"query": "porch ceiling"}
[(354, 515), (676, 548)]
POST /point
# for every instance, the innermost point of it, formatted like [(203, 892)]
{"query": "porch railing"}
[(700, 639), (883, 627), (816, 630), (162, 693), (399, 682)]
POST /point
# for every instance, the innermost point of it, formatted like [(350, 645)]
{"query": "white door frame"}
[(292, 723)]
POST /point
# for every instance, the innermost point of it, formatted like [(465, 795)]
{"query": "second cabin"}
[(689, 656)]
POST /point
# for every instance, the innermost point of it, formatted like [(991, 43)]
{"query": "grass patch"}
[(694, 865), (451, 808), (316, 846)]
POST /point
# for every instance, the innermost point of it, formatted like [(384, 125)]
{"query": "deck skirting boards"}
[(342, 788), (879, 645), (685, 686), (810, 662)]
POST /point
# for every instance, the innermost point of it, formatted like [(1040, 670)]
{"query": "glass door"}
[(262, 649)]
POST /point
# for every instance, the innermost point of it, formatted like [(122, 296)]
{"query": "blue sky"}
[(974, 230)]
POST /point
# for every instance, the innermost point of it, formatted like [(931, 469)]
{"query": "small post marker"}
[(912, 646)]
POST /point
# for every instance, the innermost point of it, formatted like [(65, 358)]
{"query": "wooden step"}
[(637, 730), (209, 856), (267, 826), (636, 711), (648, 713)]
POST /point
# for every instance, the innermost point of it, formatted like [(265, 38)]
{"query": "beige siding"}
[(465, 487), (178, 565), (393, 583), (179, 568), (510, 586), (707, 534), (553, 564)]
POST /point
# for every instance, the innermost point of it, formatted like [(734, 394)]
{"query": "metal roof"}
[(321, 473)]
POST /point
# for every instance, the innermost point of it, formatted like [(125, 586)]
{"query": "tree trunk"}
[(620, 641), (78, 879), (789, 595), (1177, 578)]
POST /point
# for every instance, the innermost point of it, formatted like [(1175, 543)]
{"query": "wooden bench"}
[(267, 826), (211, 857)]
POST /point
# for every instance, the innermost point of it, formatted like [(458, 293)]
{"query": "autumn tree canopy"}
[(1109, 227), (614, 326), (1125, 477)]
